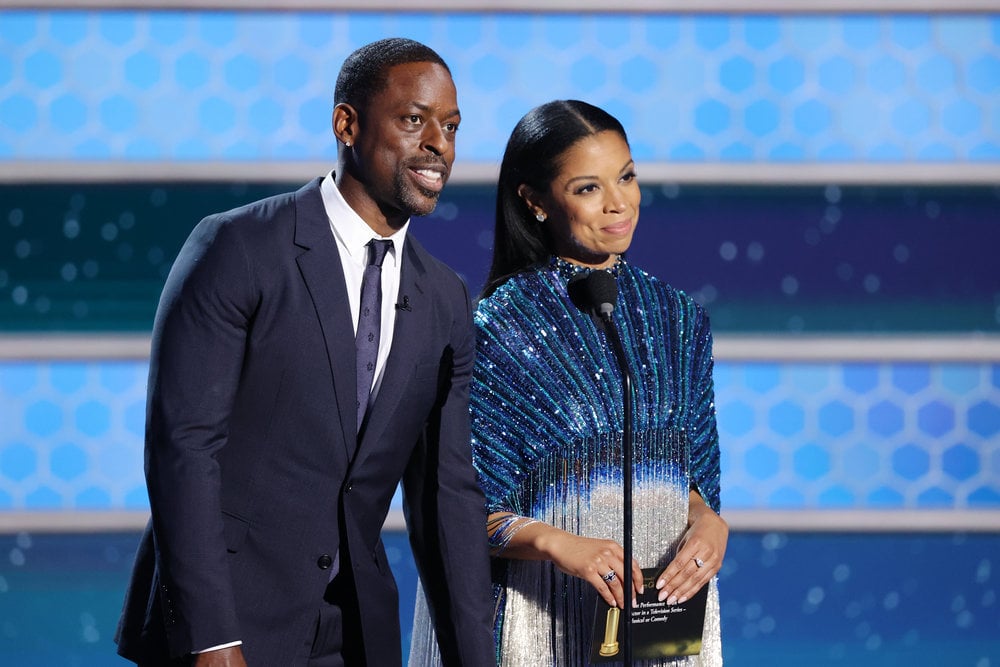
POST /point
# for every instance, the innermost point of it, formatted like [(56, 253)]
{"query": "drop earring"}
[(540, 217)]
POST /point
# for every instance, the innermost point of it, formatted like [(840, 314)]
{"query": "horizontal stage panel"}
[(808, 521), (974, 347), (111, 172)]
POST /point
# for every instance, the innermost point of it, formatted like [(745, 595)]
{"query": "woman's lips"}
[(619, 228)]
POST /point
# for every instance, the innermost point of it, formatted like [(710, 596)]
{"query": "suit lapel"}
[(410, 329), (324, 278)]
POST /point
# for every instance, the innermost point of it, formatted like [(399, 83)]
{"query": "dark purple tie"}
[(369, 321)]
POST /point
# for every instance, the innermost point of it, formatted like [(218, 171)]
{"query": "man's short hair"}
[(366, 71)]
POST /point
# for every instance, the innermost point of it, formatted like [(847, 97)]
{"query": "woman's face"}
[(592, 205)]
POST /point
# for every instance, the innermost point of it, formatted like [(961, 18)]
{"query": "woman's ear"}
[(345, 123), (532, 200)]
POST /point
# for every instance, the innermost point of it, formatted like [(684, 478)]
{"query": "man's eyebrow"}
[(424, 107)]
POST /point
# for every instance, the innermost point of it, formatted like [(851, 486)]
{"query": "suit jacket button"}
[(324, 562)]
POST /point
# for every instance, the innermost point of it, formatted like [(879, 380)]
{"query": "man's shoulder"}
[(266, 208), (276, 214)]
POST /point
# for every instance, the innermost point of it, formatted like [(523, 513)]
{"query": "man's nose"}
[(434, 139)]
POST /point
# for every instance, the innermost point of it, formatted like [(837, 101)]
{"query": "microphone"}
[(595, 293), (404, 304)]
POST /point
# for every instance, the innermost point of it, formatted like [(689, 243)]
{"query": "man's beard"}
[(415, 199)]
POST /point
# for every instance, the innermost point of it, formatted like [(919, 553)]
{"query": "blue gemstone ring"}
[(610, 576)]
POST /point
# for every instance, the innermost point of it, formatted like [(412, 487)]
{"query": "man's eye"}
[(414, 118)]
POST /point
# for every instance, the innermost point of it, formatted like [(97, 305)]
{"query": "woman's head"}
[(567, 187)]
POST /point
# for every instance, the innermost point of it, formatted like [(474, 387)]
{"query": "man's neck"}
[(357, 197)]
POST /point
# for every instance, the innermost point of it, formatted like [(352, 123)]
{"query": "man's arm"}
[(446, 516), (197, 352)]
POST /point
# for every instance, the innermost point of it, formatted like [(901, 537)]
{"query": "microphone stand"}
[(619, 350)]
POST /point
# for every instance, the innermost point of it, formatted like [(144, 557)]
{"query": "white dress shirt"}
[(352, 235)]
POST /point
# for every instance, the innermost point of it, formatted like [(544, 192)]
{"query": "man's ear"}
[(532, 200), (345, 123)]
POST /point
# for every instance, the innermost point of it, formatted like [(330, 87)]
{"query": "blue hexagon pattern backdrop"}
[(164, 85), (796, 435)]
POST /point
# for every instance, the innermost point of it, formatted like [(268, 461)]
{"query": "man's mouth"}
[(430, 178)]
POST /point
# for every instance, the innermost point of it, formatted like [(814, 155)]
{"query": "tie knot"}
[(377, 250)]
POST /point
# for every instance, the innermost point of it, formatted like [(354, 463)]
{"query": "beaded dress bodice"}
[(547, 422)]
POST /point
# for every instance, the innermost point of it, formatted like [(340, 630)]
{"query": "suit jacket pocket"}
[(234, 531)]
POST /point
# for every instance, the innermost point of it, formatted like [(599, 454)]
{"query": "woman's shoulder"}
[(524, 285), (645, 282)]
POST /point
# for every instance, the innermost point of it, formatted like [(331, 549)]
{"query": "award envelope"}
[(659, 630)]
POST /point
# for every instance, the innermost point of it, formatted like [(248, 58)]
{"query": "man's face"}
[(405, 145)]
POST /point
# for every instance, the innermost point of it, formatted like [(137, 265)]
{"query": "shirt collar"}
[(351, 231)]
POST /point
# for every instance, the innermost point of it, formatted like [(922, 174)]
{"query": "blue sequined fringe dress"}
[(547, 429)]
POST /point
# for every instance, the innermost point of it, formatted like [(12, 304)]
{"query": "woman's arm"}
[(590, 559), (699, 554)]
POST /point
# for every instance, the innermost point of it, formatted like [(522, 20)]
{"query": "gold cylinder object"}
[(610, 644)]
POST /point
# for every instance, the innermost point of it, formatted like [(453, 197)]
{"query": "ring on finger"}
[(610, 576), (699, 562)]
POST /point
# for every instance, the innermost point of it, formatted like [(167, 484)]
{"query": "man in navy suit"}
[(267, 495)]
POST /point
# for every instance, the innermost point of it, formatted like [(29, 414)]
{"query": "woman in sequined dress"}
[(547, 405)]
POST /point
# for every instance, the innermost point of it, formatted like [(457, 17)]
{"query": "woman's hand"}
[(599, 562), (699, 553)]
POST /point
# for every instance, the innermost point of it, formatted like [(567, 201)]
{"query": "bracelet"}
[(505, 532)]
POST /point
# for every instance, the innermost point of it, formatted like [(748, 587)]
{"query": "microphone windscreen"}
[(603, 289), (593, 292)]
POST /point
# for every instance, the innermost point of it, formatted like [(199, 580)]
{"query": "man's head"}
[(365, 72), (396, 116)]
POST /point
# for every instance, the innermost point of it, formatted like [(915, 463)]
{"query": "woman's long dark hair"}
[(533, 157)]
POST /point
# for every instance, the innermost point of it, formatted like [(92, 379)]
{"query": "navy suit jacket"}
[(255, 474)]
